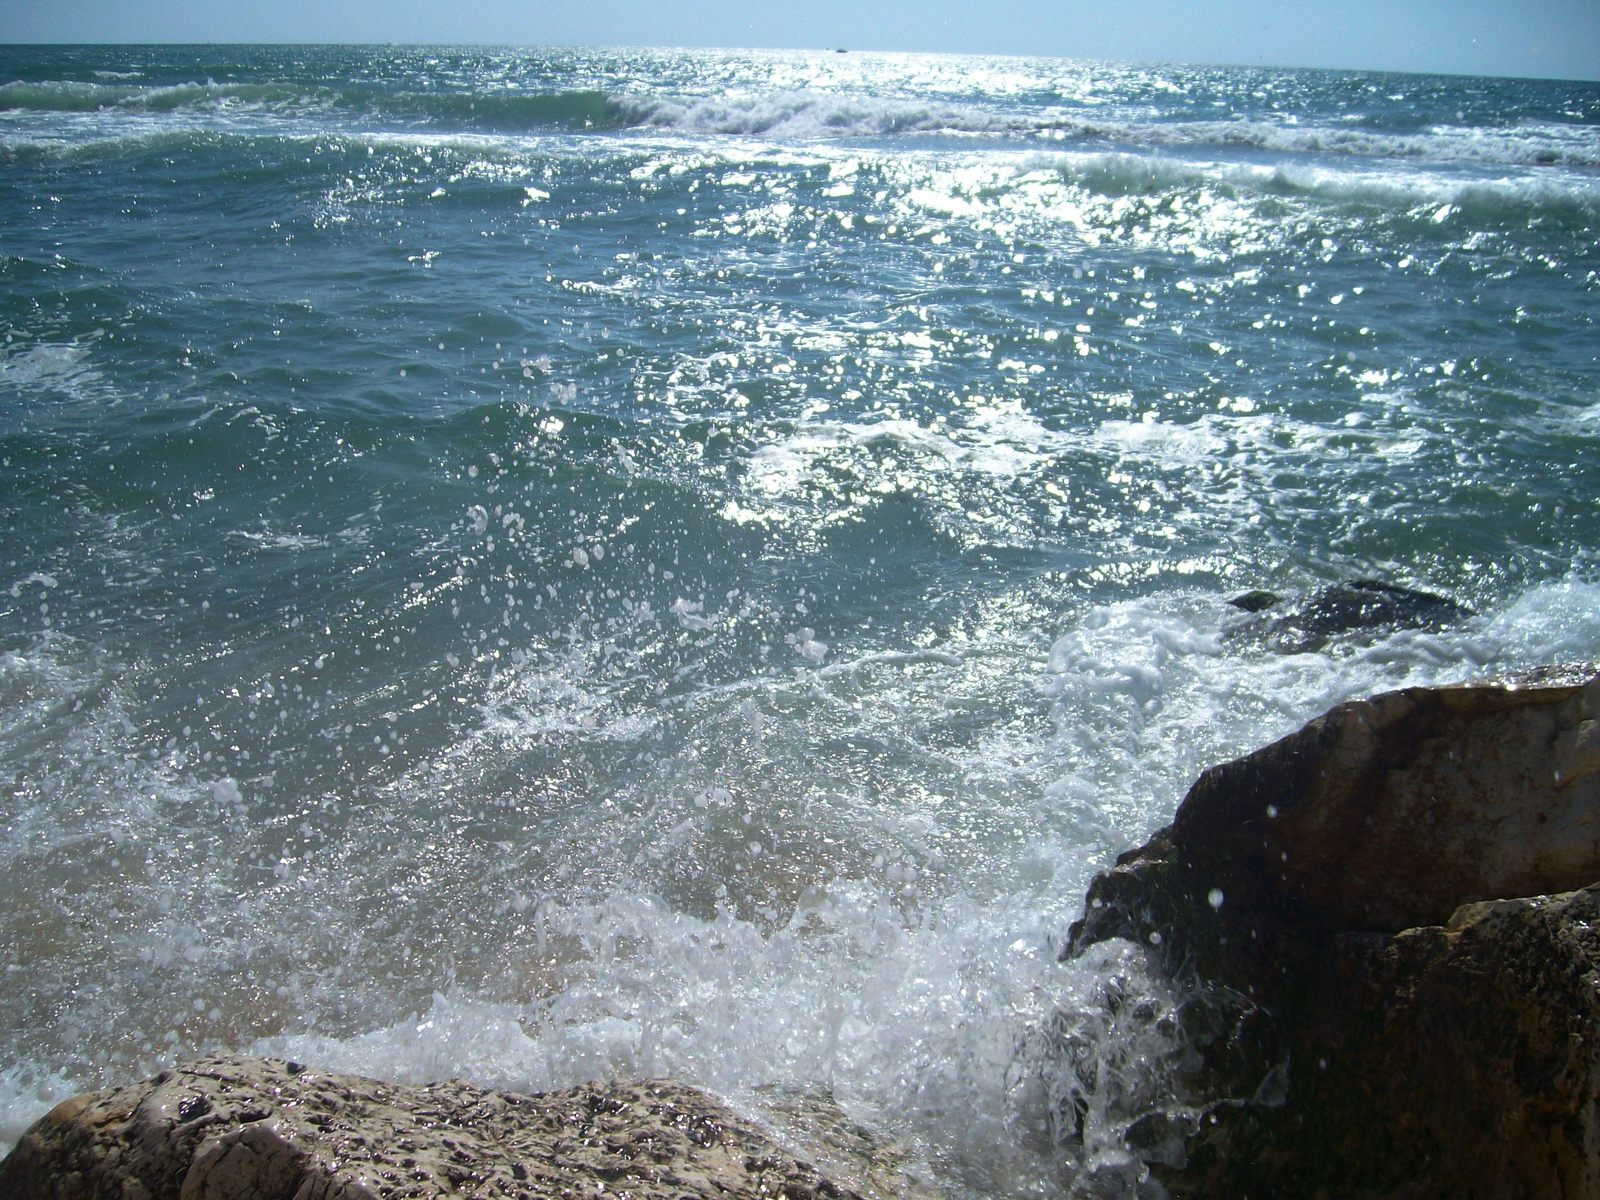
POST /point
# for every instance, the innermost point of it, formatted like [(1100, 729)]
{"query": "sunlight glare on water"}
[(542, 564)]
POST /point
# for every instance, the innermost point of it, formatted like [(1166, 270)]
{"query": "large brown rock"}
[(1380, 815), (1387, 919), (232, 1128)]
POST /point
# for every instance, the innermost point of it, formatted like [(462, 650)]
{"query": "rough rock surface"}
[(259, 1129), (1447, 1061), (1389, 915)]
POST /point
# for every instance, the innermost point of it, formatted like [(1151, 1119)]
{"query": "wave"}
[(1430, 203), (840, 115), (502, 111), (1532, 145), (810, 114), (1431, 198), (66, 96), (817, 115), (508, 111), (801, 114)]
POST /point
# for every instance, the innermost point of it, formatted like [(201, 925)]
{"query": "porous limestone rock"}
[(234, 1128)]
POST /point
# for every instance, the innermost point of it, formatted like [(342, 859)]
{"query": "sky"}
[(1543, 38)]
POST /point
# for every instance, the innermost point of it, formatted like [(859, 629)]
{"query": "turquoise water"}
[(534, 564)]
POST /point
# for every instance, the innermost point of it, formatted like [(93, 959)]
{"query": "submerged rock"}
[(232, 1128), (1359, 608), (1388, 916)]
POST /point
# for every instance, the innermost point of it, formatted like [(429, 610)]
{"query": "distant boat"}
[(841, 50)]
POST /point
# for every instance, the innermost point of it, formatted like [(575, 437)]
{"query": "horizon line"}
[(719, 49)]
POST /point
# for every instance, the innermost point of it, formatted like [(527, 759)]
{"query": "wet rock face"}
[(1380, 815), (258, 1129), (1494, 1018), (1358, 609), (1446, 1061), (1401, 894)]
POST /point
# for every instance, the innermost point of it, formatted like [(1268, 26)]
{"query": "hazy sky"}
[(1559, 38)]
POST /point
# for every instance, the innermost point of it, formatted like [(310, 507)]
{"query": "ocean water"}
[(534, 564)]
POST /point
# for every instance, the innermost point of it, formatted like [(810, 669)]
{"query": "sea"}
[(539, 564)]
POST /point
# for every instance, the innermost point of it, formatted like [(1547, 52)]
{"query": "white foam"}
[(64, 368), (1392, 184), (925, 1027), (989, 438), (926, 1011), (808, 113), (1167, 442), (1548, 623), (549, 697), (1528, 143), (812, 114), (907, 966), (264, 537), (26, 1094)]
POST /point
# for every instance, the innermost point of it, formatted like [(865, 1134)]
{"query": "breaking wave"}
[(817, 114)]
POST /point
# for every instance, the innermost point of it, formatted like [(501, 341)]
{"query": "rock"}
[(1361, 608), (1447, 1061), (233, 1128), (1380, 815), (1387, 913), (1255, 601)]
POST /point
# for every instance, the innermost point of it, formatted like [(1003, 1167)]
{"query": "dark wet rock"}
[(1332, 903), (1444, 1061), (232, 1128), (1361, 609), (1256, 601), (1379, 815)]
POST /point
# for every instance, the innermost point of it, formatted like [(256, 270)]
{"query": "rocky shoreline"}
[(1387, 923)]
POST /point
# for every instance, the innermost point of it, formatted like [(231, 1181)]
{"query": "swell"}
[(834, 115), (810, 114), (1527, 145), (498, 111), (1432, 203)]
